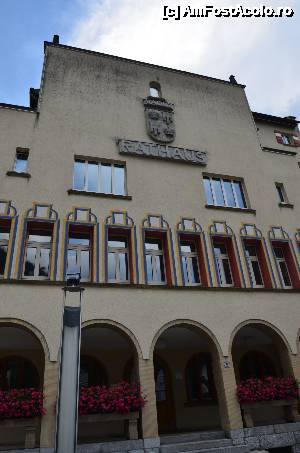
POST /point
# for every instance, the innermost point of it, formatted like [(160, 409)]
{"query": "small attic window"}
[(155, 90)]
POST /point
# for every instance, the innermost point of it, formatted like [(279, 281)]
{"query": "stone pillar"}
[(149, 413), (48, 424), (229, 407)]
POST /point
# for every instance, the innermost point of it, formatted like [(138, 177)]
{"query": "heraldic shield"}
[(160, 120)]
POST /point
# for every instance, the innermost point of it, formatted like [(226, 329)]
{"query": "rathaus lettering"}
[(164, 152)]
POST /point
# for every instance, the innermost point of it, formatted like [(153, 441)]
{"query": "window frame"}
[(100, 185), (117, 251), (153, 253), (219, 263), (189, 256), (80, 248), (249, 260), (222, 179), (282, 260), (39, 246), (24, 152)]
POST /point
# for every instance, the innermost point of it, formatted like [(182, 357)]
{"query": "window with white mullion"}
[(79, 255), (283, 267), (37, 255), (155, 262), (254, 266), (212, 191), (4, 241), (118, 259), (223, 265), (234, 194), (224, 192), (190, 263)]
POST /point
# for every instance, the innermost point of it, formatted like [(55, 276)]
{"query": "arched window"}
[(199, 379), (18, 373), (256, 364), (155, 90), (92, 372)]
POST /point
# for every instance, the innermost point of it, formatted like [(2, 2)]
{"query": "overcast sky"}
[(262, 53)]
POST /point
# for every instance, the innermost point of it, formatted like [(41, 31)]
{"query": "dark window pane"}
[(3, 255), (220, 249), (250, 250), (239, 194), (208, 192), (85, 265), (229, 193), (280, 193), (119, 176), (285, 273), (160, 271), (44, 263), (106, 180), (227, 272), (160, 385), (278, 252), (257, 273), (219, 199), (111, 266), (79, 169), (92, 177), (194, 272), (30, 261), (123, 267)]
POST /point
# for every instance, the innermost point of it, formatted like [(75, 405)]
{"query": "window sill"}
[(98, 194), (285, 152), (286, 205), (18, 174), (229, 208)]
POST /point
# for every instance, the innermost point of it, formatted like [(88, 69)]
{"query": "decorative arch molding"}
[(292, 349), (185, 322), (19, 323), (116, 325)]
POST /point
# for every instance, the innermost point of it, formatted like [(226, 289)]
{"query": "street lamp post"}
[(67, 404)]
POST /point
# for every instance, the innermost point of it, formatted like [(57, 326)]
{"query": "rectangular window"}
[(281, 192), (189, 262), (99, 177), (223, 264), (253, 265), (118, 259), (4, 241), (37, 252), (79, 253), (21, 160), (224, 192), (155, 260), (279, 253)]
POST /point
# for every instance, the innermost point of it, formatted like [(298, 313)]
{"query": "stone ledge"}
[(259, 431), (277, 440), (287, 427)]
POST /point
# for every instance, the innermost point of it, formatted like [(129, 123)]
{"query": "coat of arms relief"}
[(160, 119)]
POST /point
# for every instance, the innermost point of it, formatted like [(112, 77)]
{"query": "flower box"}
[(30, 426), (130, 421), (290, 410), (21, 403), (255, 394)]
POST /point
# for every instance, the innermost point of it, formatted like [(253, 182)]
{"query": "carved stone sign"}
[(160, 119), (164, 152)]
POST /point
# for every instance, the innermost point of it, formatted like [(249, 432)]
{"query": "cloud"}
[(260, 52)]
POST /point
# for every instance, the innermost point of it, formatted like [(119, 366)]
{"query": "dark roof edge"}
[(17, 107), (283, 121), (142, 63)]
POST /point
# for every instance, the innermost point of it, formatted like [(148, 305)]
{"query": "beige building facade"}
[(178, 207)]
